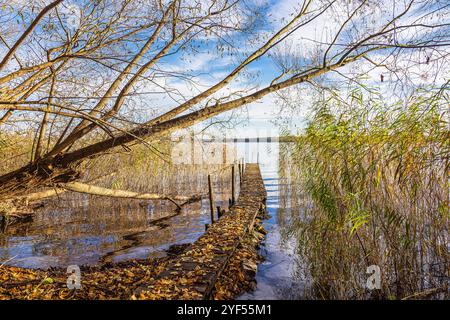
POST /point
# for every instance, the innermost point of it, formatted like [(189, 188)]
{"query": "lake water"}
[(277, 277), (81, 229)]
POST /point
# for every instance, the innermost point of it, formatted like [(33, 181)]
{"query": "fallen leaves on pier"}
[(239, 275), (221, 264)]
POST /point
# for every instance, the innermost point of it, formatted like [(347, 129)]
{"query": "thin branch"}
[(31, 27)]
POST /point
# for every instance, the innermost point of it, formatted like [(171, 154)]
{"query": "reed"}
[(377, 178)]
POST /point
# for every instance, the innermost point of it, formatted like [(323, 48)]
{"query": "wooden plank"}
[(194, 273)]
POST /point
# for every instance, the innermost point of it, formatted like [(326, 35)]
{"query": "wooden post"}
[(224, 150), (232, 185), (219, 212), (192, 148), (240, 173), (211, 198), (242, 170)]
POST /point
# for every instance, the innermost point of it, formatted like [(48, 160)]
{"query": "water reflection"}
[(83, 229), (79, 229), (277, 277)]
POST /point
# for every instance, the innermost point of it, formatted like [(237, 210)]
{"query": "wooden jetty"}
[(194, 273), (221, 264)]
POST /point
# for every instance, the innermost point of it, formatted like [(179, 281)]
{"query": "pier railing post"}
[(211, 198), (233, 200), (240, 174)]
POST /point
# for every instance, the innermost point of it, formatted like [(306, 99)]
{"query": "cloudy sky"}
[(307, 41), (206, 65)]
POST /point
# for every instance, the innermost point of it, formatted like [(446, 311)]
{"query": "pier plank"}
[(194, 273)]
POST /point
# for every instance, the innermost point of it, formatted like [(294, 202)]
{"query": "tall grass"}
[(155, 171), (15, 149), (378, 180)]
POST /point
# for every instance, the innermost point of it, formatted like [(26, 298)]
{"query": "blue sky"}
[(298, 47), (207, 66)]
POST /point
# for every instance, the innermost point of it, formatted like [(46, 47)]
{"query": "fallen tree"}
[(85, 188), (95, 125), (21, 207), (125, 194)]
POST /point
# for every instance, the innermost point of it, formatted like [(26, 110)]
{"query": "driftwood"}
[(116, 193), (48, 193), (40, 195), (19, 207), (87, 188)]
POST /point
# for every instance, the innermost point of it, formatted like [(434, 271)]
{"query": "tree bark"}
[(164, 128), (117, 193), (61, 168)]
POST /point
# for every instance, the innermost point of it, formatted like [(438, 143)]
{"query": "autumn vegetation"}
[(377, 176), (47, 62), (90, 90)]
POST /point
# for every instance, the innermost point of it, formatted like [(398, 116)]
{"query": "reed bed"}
[(377, 178), (145, 170)]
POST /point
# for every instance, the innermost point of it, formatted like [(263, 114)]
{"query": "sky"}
[(259, 117), (265, 115)]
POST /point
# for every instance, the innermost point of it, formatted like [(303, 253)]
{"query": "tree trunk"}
[(117, 193), (61, 168)]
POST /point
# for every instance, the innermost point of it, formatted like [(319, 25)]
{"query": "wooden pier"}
[(194, 273), (221, 264)]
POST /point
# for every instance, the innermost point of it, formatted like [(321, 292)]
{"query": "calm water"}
[(116, 232), (277, 277), (79, 229)]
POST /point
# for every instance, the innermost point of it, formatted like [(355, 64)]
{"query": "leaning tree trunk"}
[(61, 169)]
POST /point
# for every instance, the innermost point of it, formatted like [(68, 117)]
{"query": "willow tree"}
[(85, 71)]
